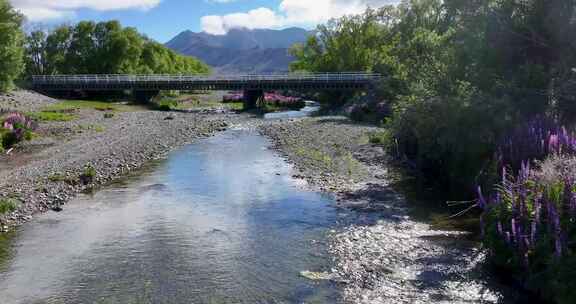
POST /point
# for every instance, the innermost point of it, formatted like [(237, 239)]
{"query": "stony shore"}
[(381, 254), (45, 173)]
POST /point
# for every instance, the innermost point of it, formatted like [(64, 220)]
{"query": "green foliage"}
[(108, 115), (59, 177), (379, 138), (457, 74), (88, 175), (167, 104), (74, 105), (8, 205), (530, 227), (103, 48), (11, 41)]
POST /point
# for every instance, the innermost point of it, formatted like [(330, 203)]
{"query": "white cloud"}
[(258, 18), (290, 12), (36, 10)]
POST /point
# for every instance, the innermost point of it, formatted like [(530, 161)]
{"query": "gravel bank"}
[(382, 255), (45, 173), (22, 100)]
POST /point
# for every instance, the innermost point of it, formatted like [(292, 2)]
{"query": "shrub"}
[(450, 138), (15, 127), (108, 115), (529, 223), (8, 205), (167, 105), (88, 176), (233, 98), (534, 140), (379, 138)]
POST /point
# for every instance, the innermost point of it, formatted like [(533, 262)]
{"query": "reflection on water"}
[(220, 221)]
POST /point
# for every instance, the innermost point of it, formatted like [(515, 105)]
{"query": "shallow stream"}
[(219, 221)]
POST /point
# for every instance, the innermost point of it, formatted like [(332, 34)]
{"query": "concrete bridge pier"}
[(253, 99), (144, 97)]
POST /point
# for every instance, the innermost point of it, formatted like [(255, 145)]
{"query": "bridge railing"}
[(115, 78)]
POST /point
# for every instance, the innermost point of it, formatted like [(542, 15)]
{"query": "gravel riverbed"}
[(381, 254), (46, 172)]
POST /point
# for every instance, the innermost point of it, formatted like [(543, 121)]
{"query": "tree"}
[(103, 48), (11, 46), (36, 53)]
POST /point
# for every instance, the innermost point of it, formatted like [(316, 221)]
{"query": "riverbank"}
[(381, 253), (44, 173), (385, 256)]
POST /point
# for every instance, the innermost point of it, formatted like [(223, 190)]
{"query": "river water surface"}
[(219, 221)]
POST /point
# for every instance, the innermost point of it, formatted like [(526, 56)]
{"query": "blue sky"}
[(163, 19)]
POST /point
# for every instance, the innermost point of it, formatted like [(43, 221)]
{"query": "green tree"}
[(11, 46), (36, 53), (103, 48)]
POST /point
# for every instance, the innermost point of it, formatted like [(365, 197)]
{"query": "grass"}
[(51, 116), (72, 105), (59, 177), (379, 138), (317, 156), (8, 205)]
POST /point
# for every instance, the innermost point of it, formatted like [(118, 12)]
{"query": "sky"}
[(164, 19)]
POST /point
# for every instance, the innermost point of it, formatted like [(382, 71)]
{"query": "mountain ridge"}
[(241, 50)]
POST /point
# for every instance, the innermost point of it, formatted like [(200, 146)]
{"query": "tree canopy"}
[(103, 48), (457, 72), (11, 51)]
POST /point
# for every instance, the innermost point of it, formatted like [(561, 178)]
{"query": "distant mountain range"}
[(241, 50)]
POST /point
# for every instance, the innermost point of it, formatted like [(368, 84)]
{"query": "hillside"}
[(241, 50)]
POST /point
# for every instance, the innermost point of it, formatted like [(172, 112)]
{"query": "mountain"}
[(241, 50)]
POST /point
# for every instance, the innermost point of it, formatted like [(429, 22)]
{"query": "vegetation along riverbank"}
[(477, 94)]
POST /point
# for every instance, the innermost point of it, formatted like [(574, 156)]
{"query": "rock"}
[(317, 276)]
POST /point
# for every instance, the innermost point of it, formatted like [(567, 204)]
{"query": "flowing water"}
[(219, 221), (310, 108)]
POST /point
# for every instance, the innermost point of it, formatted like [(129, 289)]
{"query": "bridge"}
[(145, 87)]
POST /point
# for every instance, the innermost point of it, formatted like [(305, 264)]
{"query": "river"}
[(219, 221)]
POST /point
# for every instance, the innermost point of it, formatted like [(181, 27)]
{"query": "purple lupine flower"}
[(513, 227), (534, 227), (555, 220), (553, 143), (499, 228)]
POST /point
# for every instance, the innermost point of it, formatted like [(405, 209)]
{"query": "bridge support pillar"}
[(253, 99), (144, 96)]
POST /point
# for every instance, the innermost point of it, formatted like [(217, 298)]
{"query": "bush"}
[(14, 128), (529, 223), (88, 176), (379, 138), (108, 115), (8, 205), (450, 138), (167, 105)]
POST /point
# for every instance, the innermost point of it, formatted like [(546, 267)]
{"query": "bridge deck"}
[(336, 81)]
